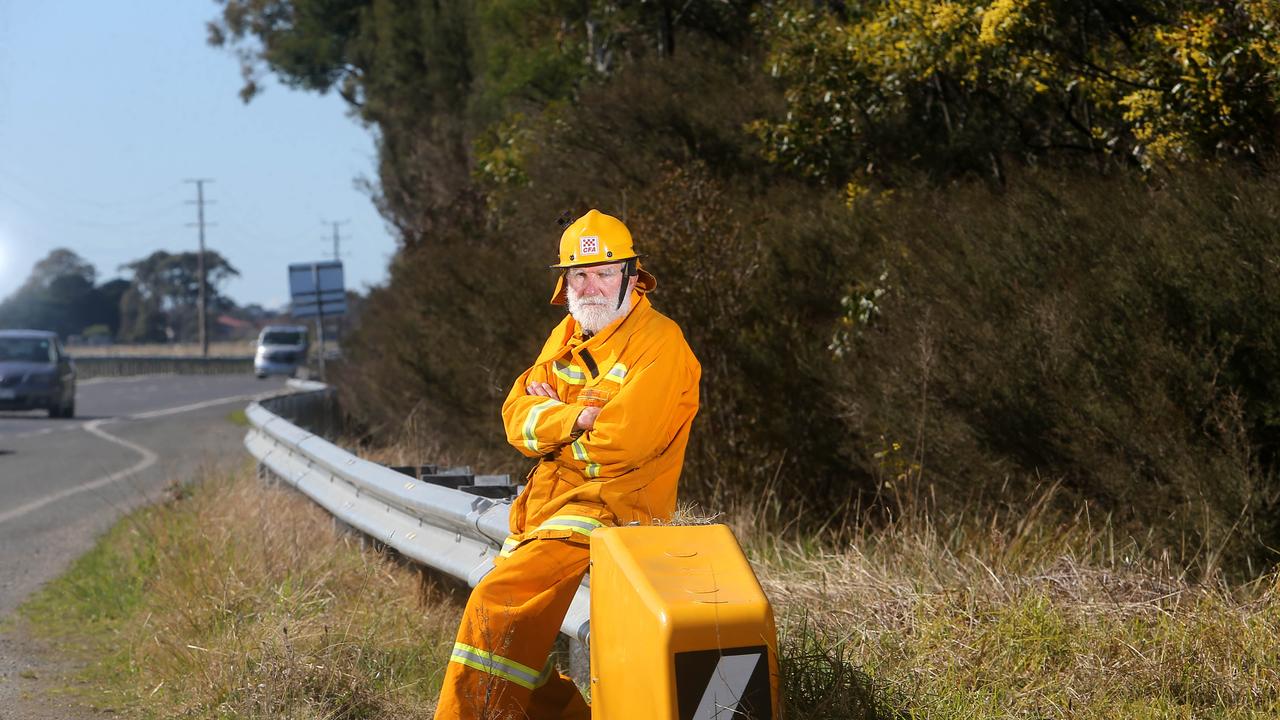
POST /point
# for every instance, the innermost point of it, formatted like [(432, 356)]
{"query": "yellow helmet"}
[(598, 239)]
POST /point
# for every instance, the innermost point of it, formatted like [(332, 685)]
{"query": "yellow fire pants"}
[(500, 667)]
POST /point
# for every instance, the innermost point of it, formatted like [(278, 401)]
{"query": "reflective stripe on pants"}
[(581, 524), (510, 623)]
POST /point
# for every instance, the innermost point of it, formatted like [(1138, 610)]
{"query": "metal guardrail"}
[(451, 531), (119, 365)]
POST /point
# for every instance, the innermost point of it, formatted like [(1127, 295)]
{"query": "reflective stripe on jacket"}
[(643, 376)]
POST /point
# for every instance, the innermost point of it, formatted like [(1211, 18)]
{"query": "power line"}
[(60, 216), (16, 177), (202, 300)]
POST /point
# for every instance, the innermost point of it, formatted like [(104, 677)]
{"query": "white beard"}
[(595, 313)]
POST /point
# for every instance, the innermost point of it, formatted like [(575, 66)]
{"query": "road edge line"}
[(149, 457)]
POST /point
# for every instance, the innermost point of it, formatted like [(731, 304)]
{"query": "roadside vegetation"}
[(932, 254), (155, 305), (238, 599), (232, 599), (987, 299), (1015, 618)]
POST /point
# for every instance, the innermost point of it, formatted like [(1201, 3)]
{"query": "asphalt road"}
[(63, 482)]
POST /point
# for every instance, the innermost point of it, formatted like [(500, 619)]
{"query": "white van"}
[(282, 349)]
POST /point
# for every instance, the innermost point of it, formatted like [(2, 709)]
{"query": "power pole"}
[(337, 257), (337, 240), (202, 300)]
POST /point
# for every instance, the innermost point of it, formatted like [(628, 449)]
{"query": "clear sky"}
[(105, 109)]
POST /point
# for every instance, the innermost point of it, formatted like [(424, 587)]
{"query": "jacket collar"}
[(570, 334)]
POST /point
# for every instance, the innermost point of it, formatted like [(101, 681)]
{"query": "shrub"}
[(1117, 336), (947, 347)]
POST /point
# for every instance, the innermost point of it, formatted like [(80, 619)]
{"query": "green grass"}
[(237, 417)]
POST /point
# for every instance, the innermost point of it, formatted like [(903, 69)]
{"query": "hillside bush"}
[(945, 344), (1117, 337), (960, 87), (954, 349), (950, 347)]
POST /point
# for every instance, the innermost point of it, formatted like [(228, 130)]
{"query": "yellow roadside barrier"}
[(680, 629)]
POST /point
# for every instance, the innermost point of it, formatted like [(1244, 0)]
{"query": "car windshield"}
[(26, 349), (280, 337)]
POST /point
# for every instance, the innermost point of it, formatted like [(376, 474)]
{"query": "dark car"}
[(36, 373)]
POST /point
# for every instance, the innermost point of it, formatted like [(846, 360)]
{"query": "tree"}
[(105, 309), (60, 263), (58, 295), (435, 78), (957, 86), (164, 295), (404, 67), (141, 319)]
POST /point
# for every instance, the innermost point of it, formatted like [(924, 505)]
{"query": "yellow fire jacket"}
[(644, 377)]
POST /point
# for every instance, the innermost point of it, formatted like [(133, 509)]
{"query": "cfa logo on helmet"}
[(589, 245)]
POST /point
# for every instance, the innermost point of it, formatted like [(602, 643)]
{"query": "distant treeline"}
[(931, 254), (157, 304)]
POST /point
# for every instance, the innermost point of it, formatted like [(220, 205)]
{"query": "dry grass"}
[(236, 600), (237, 348), (239, 600), (1028, 619)]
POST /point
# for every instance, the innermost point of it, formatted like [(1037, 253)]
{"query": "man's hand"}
[(587, 418), (543, 389)]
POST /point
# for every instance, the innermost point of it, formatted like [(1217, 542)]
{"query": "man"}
[(607, 409)]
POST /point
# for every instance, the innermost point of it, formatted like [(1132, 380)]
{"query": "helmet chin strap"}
[(629, 270)]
